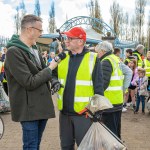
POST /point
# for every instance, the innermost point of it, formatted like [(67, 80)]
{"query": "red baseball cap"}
[(76, 32)]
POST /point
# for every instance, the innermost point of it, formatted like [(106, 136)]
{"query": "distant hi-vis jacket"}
[(114, 92), (147, 67), (84, 86), (140, 61)]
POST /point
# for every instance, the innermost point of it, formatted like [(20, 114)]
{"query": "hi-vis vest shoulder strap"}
[(114, 92), (140, 61), (147, 67), (83, 83)]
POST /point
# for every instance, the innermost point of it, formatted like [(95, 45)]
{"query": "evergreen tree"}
[(37, 10), (52, 24)]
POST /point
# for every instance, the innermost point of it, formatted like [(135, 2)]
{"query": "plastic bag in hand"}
[(98, 102), (99, 137)]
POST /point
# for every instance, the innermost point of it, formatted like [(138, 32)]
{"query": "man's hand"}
[(53, 64), (55, 86)]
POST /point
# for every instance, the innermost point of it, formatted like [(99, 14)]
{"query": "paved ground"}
[(135, 133)]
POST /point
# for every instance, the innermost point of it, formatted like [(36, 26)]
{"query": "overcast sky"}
[(71, 8)]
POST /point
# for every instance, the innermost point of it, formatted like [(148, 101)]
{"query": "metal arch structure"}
[(94, 22)]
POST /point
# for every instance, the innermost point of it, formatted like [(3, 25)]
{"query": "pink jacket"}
[(135, 76)]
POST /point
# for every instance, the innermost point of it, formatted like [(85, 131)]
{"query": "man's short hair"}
[(29, 19), (139, 47), (117, 50), (129, 51)]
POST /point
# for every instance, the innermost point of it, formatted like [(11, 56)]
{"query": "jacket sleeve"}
[(19, 69), (97, 78), (127, 72), (107, 71)]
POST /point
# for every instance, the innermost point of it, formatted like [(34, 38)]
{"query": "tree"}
[(116, 17), (17, 20), (133, 28), (95, 12), (37, 10), (20, 12), (52, 25), (140, 12)]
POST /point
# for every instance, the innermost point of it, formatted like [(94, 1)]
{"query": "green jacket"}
[(29, 92)]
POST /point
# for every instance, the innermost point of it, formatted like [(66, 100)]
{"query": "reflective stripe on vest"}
[(140, 61), (147, 67), (83, 83), (114, 92)]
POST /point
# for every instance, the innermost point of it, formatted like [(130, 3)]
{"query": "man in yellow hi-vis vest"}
[(147, 68), (116, 78), (139, 55), (80, 73)]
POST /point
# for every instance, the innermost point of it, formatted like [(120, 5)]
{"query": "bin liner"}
[(4, 100), (99, 137)]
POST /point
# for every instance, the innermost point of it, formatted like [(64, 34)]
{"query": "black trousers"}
[(113, 122), (72, 129)]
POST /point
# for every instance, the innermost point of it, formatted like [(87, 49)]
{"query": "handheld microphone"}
[(60, 57)]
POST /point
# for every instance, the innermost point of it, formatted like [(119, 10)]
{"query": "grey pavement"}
[(135, 132)]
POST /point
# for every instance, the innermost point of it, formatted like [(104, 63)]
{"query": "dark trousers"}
[(72, 129), (32, 133), (113, 122), (142, 99)]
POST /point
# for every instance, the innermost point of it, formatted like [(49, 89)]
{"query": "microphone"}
[(60, 57)]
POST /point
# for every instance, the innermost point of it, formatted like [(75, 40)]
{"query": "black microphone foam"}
[(60, 56)]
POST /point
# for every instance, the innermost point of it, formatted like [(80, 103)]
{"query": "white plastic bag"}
[(148, 105), (4, 100), (99, 137)]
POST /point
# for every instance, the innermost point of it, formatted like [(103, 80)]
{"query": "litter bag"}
[(148, 105), (98, 102), (4, 100), (99, 137)]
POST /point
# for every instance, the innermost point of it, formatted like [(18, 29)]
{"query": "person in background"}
[(132, 87), (4, 54), (44, 56), (138, 53), (28, 82), (129, 56), (147, 68), (141, 83), (117, 52), (53, 46), (116, 78), (81, 75), (52, 55)]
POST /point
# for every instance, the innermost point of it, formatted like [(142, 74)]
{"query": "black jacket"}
[(106, 69), (74, 63)]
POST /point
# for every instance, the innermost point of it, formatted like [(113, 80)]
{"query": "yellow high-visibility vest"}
[(140, 61), (114, 92), (147, 67), (83, 83)]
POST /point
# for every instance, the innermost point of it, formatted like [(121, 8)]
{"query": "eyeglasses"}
[(37, 29), (69, 38)]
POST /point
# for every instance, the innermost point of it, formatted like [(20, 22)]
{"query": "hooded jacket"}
[(28, 86)]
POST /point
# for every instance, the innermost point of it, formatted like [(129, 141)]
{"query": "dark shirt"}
[(74, 63)]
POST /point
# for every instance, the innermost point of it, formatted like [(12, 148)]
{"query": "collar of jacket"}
[(15, 41), (137, 52), (85, 50), (106, 54)]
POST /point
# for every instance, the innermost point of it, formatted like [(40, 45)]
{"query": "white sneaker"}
[(124, 109)]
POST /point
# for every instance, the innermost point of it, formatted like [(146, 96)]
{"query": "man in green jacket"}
[(28, 82)]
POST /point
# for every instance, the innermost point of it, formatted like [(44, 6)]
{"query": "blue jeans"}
[(32, 133), (142, 99)]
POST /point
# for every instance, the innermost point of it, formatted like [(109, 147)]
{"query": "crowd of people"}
[(32, 76)]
